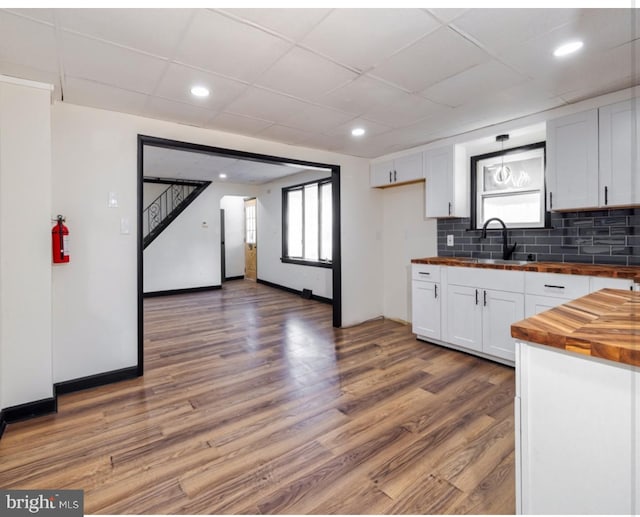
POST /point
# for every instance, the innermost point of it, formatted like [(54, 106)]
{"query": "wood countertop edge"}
[(573, 325), (566, 268)]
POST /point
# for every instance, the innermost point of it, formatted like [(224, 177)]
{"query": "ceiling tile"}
[(228, 47), (156, 31), (317, 118), (292, 23), (178, 80), (305, 75), (447, 14), (238, 123), (284, 134), (601, 30), (478, 81), (94, 60), (43, 15), (362, 95), (430, 60), (371, 128), (361, 38), (497, 29), (27, 42), (408, 110), (87, 93), (266, 105), (178, 112)]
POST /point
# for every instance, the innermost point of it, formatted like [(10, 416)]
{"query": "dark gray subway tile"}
[(593, 231), (610, 221), (620, 260), (612, 241), (582, 259)]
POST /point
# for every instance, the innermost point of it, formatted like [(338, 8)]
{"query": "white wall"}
[(187, 253), (95, 300), (407, 234), (270, 267), (233, 207), (25, 242), (182, 256)]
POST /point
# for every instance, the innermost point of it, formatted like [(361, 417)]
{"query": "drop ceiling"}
[(308, 76), (160, 162)]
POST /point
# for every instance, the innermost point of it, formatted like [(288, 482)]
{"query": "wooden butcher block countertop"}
[(605, 324), (567, 268)]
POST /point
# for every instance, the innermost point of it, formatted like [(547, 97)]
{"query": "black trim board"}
[(187, 290), (93, 381), (30, 410), (294, 291), (264, 158), (228, 278), (3, 423)]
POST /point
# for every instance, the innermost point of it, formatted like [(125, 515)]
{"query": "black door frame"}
[(265, 158)]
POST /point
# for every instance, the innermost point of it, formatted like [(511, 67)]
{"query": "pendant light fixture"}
[(503, 173)]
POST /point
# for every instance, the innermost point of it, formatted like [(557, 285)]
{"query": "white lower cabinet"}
[(499, 310), (426, 309), (464, 317), (472, 309), (577, 440)]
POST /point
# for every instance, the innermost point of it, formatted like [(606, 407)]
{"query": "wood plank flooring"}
[(251, 403)]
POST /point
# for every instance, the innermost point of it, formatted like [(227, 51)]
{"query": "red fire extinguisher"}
[(60, 241)]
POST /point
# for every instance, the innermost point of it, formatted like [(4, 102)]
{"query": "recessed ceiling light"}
[(222, 175), (568, 48), (358, 131), (200, 91)]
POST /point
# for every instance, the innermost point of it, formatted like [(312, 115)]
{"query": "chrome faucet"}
[(507, 251)]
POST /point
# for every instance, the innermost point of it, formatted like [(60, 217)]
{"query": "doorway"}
[(150, 143), (250, 240)]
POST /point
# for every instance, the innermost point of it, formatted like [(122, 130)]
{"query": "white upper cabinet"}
[(592, 158), (446, 189), (572, 161), (404, 169), (619, 145)]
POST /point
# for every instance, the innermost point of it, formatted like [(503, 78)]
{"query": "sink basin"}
[(503, 262)]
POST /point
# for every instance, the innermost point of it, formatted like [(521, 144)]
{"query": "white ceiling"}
[(161, 162), (308, 76)]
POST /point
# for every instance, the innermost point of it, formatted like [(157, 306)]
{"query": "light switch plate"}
[(125, 227), (449, 240), (113, 200)]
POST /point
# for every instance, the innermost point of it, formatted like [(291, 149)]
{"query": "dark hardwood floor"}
[(252, 403)]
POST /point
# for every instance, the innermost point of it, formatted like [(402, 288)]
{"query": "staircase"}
[(168, 205)]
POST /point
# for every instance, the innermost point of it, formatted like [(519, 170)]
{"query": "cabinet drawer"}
[(425, 272), (603, 282), (499, 279), (556, 285)]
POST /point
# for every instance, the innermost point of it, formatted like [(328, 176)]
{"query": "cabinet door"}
[(408, 168), (500, 310), (619, 144), (426, 309), (572, 161), (381, 174), (439, 175), (464, 317)]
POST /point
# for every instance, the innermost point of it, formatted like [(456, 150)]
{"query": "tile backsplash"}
[(594, 237)]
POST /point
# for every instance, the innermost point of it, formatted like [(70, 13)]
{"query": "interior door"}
[(250, 239)]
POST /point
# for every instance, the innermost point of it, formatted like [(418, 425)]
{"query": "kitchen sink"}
[(503, 262)]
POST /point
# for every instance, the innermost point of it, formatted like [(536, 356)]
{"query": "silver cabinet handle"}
[(395, 175), (390, 180), (554, 286), (423, 273), (435, 290)]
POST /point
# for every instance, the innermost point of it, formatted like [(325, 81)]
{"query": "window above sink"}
[(509, 184)]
